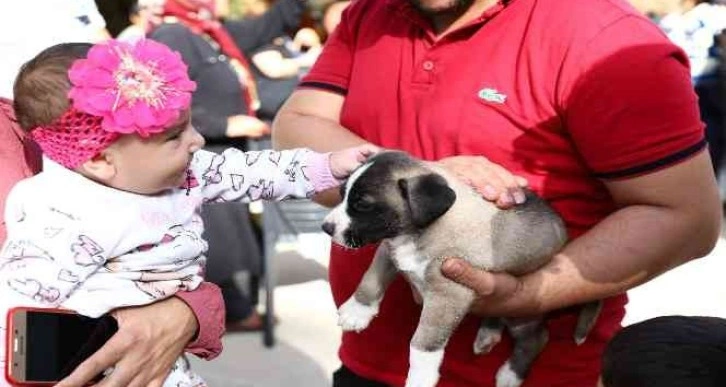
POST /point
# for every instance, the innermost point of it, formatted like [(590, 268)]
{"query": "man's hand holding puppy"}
[(498, 293), (640, 240), (491, 180)]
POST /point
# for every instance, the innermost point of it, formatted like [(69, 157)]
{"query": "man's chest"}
[(477, 95)]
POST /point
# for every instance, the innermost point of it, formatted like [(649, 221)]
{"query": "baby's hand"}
[(343, 162)]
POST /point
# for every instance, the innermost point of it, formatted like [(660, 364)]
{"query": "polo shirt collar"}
[(405, 8)]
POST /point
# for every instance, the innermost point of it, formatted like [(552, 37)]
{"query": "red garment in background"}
[(19, 156)]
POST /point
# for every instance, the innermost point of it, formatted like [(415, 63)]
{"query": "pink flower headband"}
[(119, 88)]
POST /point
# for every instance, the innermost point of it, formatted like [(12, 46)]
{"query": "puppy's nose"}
[(329, 228)]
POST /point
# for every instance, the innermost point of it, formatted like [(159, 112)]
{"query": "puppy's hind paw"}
[(506, 377), (422, 379), (354, 316), (486, 339)]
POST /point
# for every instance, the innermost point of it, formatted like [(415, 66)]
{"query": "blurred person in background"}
[(251, 8), (331, 15), (224, 111), (694, 26), (142, 15), (61, 21), (19, 156)]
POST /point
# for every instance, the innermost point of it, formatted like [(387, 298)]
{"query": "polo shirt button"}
[(428, 65)]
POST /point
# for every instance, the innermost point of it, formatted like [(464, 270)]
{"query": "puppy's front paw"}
[(354, 316)]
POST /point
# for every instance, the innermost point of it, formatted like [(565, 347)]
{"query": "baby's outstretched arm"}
[(273, 175)]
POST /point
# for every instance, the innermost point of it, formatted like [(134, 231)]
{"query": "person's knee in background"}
[(667, 351)]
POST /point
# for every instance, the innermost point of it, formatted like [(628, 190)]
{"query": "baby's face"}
[(152, 165)]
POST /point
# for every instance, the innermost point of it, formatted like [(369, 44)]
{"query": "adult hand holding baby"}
[(148, 342)]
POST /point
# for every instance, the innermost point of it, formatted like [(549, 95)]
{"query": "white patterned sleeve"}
[(259, 175)]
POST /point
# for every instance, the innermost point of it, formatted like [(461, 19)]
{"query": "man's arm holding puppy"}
[(664, 219)]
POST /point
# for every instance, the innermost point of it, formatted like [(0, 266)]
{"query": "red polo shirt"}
[(565, 93)]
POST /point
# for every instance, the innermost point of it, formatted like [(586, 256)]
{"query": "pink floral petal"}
[(174, 75), (152, 50), (178, 101), (156, 129), (104, 55), (186, 85), (144, 115), (100, 78), (101, 100), (167, 116), (109, 124), (78, 70), (139, 88), (124, 116)]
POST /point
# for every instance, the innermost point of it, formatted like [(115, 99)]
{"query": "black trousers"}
[(344, 377)]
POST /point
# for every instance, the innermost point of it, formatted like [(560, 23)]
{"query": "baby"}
[(113, 220)]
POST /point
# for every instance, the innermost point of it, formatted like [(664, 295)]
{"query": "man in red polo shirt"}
[(586, 99)]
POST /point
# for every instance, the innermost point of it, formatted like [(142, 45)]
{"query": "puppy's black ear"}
[(427, 196)]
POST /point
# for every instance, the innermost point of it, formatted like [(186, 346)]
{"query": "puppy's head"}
[(391, 195)]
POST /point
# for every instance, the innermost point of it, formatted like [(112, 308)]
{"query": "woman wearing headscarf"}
[(224, 109)]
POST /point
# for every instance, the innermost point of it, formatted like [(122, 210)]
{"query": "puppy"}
[(421, 214)]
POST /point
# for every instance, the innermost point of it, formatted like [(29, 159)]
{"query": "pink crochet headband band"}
[(119, 88), (74, 138)]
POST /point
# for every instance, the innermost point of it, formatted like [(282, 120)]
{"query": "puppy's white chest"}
[(407, 259)]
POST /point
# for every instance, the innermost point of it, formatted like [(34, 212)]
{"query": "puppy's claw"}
[(354, 316), (580, 340)]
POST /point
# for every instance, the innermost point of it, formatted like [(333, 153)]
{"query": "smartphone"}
[(45, 345)]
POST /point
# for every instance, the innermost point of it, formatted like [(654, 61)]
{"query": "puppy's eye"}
[(363, 205)]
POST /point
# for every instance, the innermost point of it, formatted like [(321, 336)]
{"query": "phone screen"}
[(56, 343)]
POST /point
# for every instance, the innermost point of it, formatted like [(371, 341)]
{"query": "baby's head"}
[(116, 113)]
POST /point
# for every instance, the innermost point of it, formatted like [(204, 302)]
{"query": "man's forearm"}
[(292, 130), (628, 248), (310, 118)]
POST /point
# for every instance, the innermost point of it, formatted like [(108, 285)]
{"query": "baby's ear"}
[(100, 167)]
